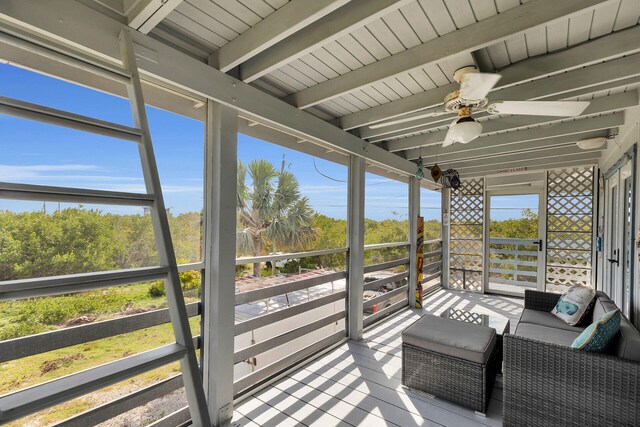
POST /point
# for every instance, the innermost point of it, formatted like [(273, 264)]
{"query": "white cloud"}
[(59, 174), (315, 189), (15, 173)]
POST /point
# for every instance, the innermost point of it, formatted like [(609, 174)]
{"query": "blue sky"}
[(37, 153)]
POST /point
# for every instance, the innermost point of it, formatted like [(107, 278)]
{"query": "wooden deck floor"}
[(359, 383)]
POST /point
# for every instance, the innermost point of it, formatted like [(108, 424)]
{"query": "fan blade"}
[(426, 114), (539, 108), (476, 86), (448, 140)]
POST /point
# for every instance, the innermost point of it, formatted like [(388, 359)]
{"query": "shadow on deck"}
[(359, 383)]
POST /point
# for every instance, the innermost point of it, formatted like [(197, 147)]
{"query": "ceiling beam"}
[(355, 14), (282, 23), (465, 40), (607, 47), (88, 33), (556, 141), (546, 131), (572, 160), (604, 104), (523, 156), (144, 15)]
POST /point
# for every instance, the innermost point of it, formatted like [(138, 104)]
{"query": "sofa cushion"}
[(573, 304), (598, 336), (466, 341), (627, 343), (546, 334), (544, 318), (599, 309)]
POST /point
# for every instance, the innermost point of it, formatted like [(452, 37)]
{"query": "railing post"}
[(515, 264), (355, 258), (445, 235), (218, 288), (414, 212)]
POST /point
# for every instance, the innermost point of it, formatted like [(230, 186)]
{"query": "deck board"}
[(359, 383)]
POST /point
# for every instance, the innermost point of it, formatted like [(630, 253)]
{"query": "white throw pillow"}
[(573, 304)]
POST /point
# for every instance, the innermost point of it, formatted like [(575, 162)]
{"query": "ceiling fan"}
[(472, 95)]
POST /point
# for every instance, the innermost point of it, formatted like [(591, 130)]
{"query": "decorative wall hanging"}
[(450, 179), (436, 172), (420, 172)]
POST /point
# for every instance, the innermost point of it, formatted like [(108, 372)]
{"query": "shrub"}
[(157, 289), (189, 280)]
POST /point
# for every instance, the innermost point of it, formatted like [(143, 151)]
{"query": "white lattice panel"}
[(465, 247), (569, 228)]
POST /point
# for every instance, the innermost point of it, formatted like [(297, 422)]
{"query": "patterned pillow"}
[(573, 304), (598, 335)]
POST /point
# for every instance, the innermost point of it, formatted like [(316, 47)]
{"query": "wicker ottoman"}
[(450, 360)]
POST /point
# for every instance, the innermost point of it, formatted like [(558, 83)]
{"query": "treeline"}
[(79, 240)]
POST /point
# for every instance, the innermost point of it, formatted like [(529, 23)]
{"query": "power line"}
[(326, 176)]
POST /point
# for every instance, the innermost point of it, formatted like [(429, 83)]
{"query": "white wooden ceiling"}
[(203, 27)]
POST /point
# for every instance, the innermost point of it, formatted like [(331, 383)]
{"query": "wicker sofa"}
[(548, 383)]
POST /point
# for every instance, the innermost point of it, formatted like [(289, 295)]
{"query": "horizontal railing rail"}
[(385, 297), (53, 340), (379, 315), (55, 285), (298, 285), (191, 266), (286, 337), (381, 282), (432, 267), (385, 245), (254, 379), (123, 404), (386, 265), (268, 319), (287, 256)]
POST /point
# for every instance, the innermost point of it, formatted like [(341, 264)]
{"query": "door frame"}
[(542, 232), (616, 176)]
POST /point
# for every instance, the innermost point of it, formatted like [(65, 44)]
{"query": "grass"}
[(25, 317)]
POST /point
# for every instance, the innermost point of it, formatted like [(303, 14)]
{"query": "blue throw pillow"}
[(598, 335), (574, 304)]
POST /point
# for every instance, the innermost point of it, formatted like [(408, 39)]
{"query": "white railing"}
[(513, 261)]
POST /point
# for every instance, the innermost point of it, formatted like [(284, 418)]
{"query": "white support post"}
[(445, 235), (219, 258), (414, 212), (355, 260)]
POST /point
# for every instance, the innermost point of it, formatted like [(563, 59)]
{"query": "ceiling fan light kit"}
[(464, 129)]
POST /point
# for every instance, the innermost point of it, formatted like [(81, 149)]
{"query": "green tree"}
[(271, 210)]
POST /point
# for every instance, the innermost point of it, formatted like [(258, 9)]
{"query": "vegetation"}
[(78, 240), (271, 211)]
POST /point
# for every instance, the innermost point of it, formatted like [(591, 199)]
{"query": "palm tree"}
[(270, 210)]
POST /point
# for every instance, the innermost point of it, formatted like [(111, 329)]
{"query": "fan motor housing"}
[(453, 103)]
